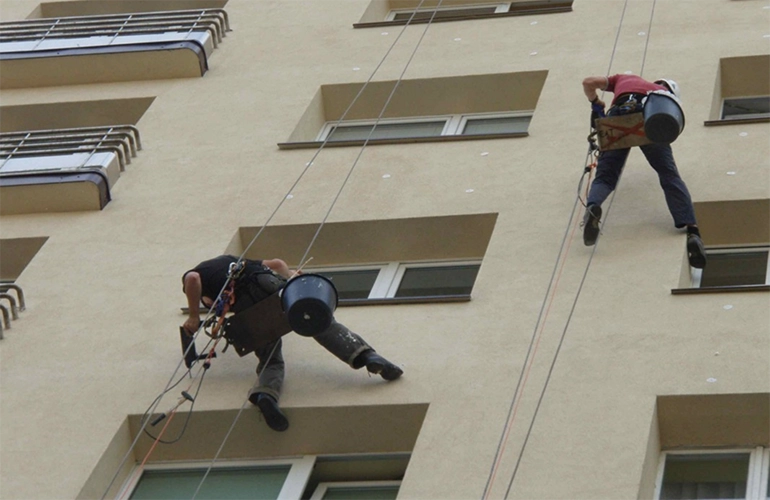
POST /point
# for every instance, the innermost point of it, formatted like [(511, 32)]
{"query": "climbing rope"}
[(583, 278), (211, 313), (334, 201)]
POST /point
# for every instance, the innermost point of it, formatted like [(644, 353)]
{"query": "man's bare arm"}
[(193, 290), (592, 84), (278, 266)]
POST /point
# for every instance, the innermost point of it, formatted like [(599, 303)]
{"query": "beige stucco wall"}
[(99, 339)]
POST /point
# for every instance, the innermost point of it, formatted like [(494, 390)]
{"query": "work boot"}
[(274, 417), (696, 252), (591, 222), (378, 365)]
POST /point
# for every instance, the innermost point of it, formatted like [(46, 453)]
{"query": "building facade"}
[(430, 156)]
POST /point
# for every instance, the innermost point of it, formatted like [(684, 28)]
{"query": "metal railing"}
[(16, 304), (122, 140), (213, 21)]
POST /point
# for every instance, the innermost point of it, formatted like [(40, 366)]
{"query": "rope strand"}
[(578, 293)]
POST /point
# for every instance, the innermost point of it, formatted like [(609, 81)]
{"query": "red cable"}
[(531, 360)]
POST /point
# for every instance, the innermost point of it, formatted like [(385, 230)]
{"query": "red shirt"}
[(630, 84)]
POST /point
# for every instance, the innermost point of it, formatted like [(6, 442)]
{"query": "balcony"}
[(63, 170), (109, 48)]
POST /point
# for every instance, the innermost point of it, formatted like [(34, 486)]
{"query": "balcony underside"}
[(120, 63), (60, 192)]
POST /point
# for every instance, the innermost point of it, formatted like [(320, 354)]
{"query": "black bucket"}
[(309, 302), (663, 117)]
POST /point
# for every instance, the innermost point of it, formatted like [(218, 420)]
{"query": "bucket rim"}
[(295, 278)]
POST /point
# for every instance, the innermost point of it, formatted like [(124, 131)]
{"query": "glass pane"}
[(362, 493), (444, 14), (353, 284), (438, 281), (509, 125), (733, 269), (746, 107), (262, 483), (716, 476), (387, 131)]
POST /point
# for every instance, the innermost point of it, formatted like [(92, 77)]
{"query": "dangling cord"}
[(232, 426), (574, 303)]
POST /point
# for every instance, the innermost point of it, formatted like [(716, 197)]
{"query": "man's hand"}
[(598, 105), (191, 324)]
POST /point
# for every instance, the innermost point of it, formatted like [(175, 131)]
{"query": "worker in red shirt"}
[(629, 91)]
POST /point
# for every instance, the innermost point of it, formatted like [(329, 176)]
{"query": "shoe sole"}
[(388, 372), (274, 418), (591, 228), (696, 253)]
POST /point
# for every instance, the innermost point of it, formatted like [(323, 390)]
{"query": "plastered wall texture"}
[(99, 338)]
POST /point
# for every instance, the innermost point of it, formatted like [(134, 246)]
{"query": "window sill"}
[(405, 300), (720, 289), (406, 140), (564, 7), (736, 121), (385, 301)]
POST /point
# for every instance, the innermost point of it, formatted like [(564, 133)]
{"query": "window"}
[(333, 477), (371, 490), (746, 107), (742, 91), (734, 267), (446, 12), (492, 106), (736, 235), (410, 281), (227, 480), (398, 12), (468, 125), (714, 474), (29, 48)]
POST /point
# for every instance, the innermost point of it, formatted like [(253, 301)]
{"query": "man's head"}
[(671, 85)]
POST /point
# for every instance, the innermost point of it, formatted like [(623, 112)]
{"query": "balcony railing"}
[(39, 151), (206, 26)]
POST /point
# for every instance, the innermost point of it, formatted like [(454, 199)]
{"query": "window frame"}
[(696, 275), (757, 475), (748, 116), (323, 487), (500, 8), (453, 126), (513, 8), (299, 473), (389, 279)]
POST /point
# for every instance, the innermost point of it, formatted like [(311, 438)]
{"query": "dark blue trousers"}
[(660, 157)]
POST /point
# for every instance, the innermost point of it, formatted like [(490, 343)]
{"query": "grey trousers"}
[(337, 339)]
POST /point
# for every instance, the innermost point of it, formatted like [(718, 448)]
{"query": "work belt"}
[(626, 103)]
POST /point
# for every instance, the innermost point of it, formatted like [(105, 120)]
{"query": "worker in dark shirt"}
[(258, 280), (629, 91)]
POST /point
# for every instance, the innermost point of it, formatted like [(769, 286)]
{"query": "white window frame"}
[(741, 117), (322, 488), (454, 124), (389, 279), (464, 119), (499, 9), (696, 275), (329, 126), (293, 487), (756, 480)]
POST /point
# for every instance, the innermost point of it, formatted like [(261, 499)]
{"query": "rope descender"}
[(226, 298)]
